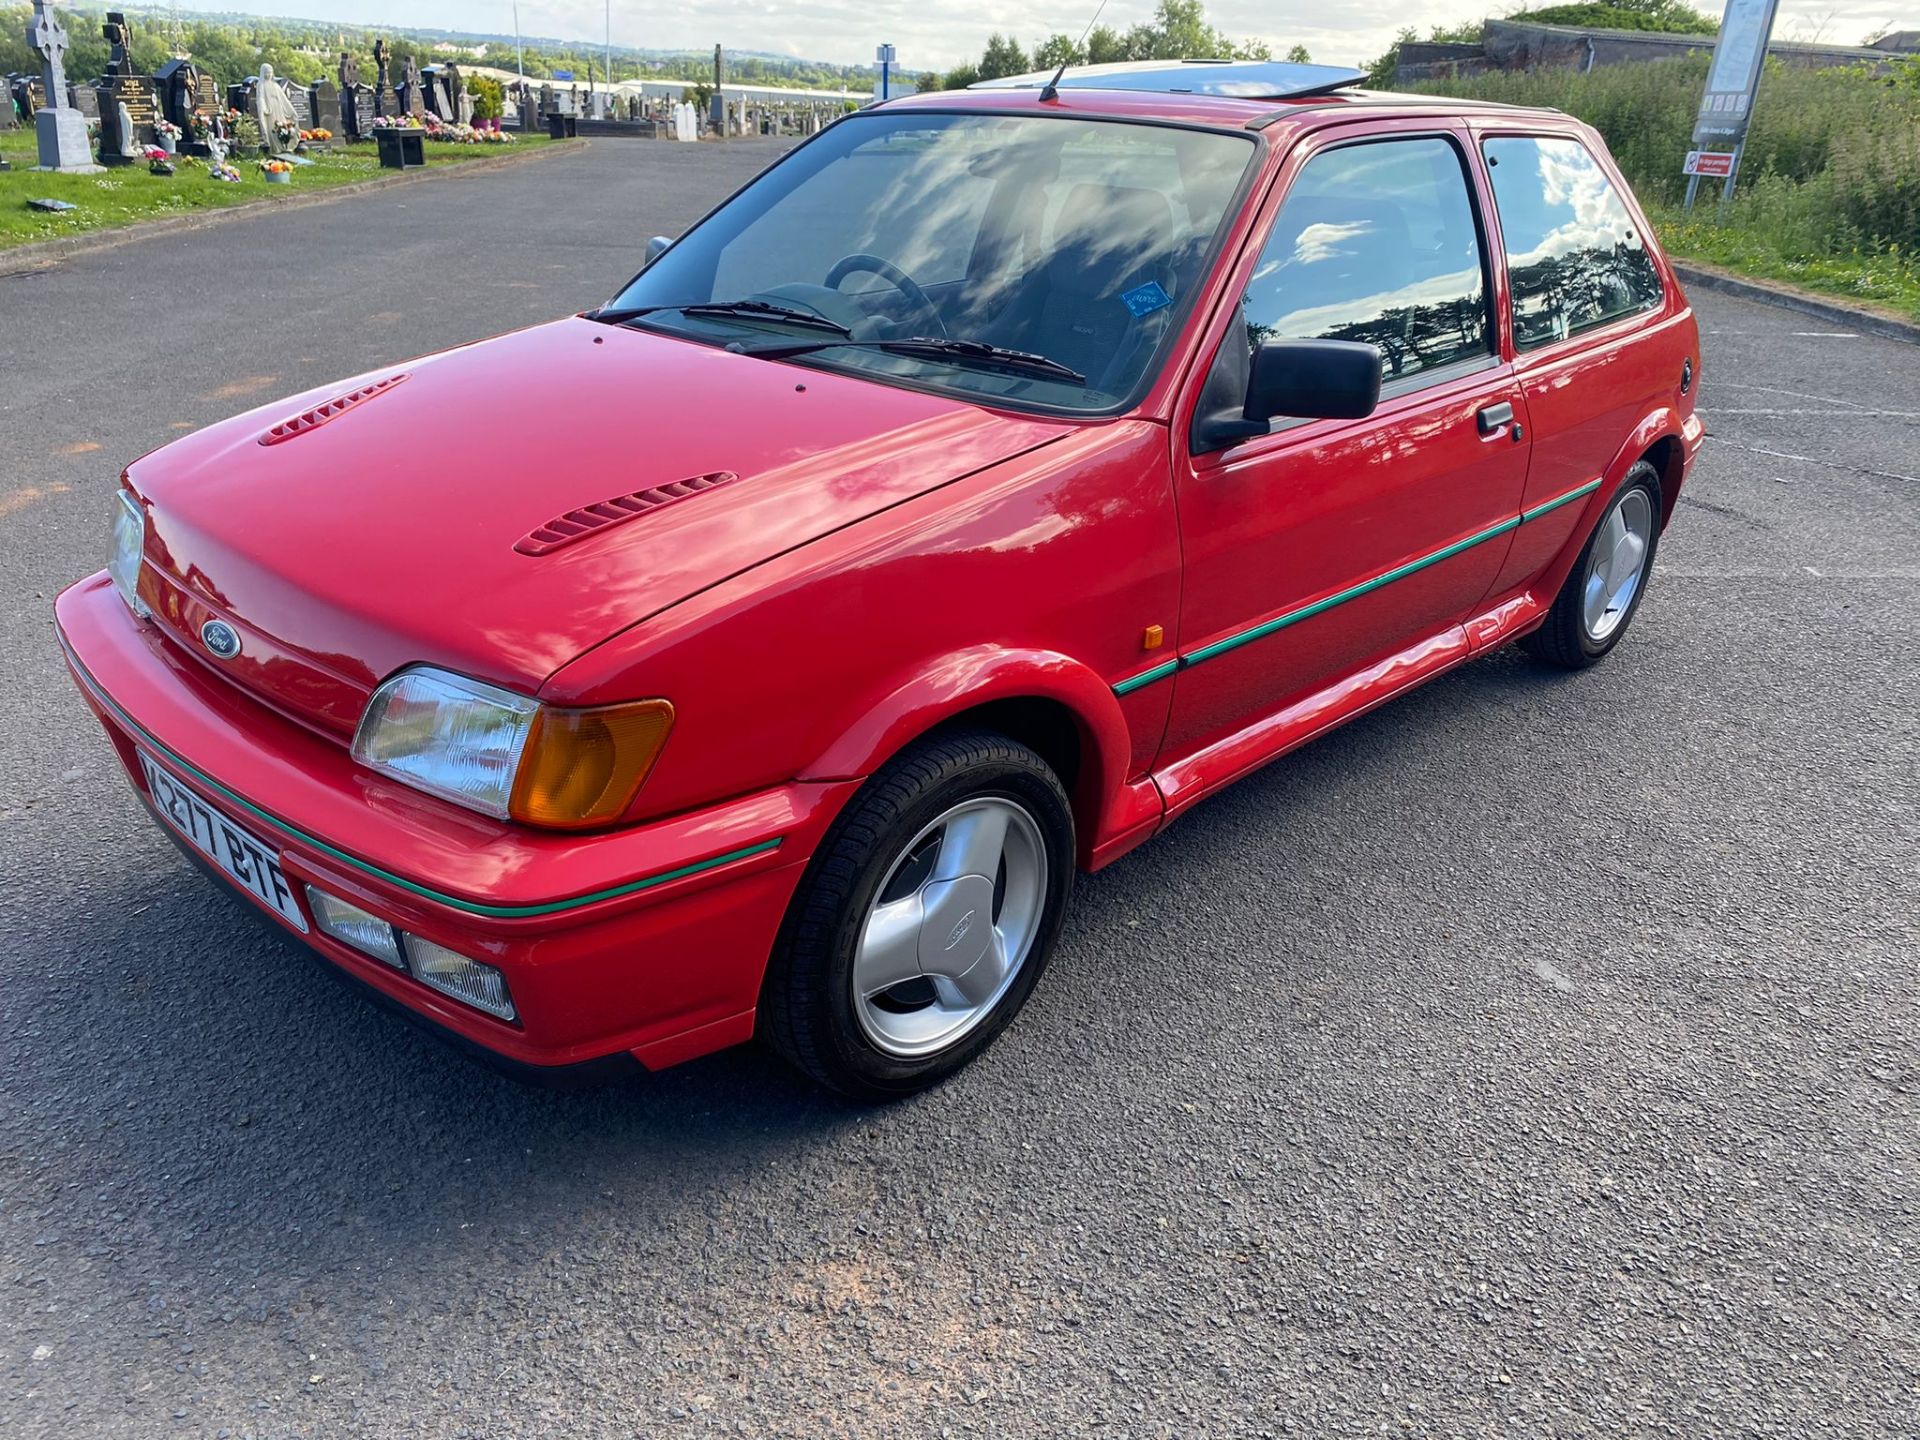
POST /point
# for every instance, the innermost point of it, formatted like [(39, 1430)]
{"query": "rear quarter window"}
[(1574, 256)]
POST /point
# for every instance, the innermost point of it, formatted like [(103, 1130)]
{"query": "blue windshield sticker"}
[(1147, 298)]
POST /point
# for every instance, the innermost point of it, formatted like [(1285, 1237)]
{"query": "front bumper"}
[(649, 941)]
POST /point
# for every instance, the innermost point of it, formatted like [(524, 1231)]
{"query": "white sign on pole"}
[(1726, 107)]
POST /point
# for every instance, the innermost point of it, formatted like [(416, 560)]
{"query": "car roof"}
[(1237, 95)]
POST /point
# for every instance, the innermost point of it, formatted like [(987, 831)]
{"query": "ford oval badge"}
[(221, 639)]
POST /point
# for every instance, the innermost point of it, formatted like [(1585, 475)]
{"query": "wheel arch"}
[(1054, 705)]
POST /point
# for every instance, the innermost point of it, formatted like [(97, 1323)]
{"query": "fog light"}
[(350, 925), (467, 981)]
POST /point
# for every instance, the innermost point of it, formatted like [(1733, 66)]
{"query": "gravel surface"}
[(1534, 1056)]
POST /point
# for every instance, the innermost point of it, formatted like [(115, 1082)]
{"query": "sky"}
[(938, 34)]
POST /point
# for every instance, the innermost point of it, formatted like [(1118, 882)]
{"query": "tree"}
[(489, 97), (960, 78), (1105, 45), (1180, 30), (1055, 51), (1298, 56), (1003, 57)]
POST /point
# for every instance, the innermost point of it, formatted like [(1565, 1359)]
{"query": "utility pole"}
[(519, 50), (608, 62)]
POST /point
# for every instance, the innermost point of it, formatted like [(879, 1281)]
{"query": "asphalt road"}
[(1535, 1056)]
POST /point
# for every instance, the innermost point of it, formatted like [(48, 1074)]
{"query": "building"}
[(1524, 45)]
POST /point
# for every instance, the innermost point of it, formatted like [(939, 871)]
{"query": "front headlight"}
[(129, 539), (507, 755)]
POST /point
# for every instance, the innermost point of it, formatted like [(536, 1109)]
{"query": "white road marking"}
[(1851, 414), (1809, 460), (1717, 383)]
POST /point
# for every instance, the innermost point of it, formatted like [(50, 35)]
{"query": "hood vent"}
[(320, 414), (590, 520)]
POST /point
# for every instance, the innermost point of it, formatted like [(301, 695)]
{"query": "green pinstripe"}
[(1353, 592)]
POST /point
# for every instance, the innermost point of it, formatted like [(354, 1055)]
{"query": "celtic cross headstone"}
[(61, 130)]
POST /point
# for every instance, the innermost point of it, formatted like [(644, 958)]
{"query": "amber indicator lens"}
[(583, 767)]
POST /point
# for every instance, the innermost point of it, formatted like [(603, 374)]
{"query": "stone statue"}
[(457, 93), (271, 109), (61, 130), (129, 149)]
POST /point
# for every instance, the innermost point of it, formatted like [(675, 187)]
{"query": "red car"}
[(980, 487)]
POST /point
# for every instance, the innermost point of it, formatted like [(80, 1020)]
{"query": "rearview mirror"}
[(658, 246), (1301, 380)]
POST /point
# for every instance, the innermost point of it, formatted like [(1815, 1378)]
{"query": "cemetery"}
[(80, 154)]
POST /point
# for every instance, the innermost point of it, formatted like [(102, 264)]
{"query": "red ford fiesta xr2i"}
[(988, 481)]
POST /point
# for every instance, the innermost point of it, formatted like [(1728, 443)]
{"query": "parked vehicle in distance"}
[(985, 483)]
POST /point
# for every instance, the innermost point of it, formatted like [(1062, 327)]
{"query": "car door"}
[(1591, 355), (1325, 547)]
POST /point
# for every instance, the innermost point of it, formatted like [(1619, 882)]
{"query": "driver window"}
[(1376, 242), (911, 197)]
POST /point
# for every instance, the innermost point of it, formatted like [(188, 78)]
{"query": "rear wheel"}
[(925, 920), (1604, 589)]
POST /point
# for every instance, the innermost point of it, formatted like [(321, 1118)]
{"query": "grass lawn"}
[(1888, 279), (129, 194)]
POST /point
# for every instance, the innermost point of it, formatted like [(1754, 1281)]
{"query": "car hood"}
[(421, 514)]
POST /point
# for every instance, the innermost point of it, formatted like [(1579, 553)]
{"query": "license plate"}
[(254, 866)]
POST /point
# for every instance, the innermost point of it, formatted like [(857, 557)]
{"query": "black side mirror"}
[(1300, 379), (658, 246)]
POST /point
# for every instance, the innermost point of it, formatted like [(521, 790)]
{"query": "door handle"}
[(1494, 416)]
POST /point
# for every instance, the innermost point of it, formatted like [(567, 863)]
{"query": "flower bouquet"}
[(168, 134), (159, 160), (315, 136), (223, 172), (286, 135), (278, 172)]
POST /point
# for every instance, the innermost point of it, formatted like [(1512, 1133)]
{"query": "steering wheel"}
[(894, 276)]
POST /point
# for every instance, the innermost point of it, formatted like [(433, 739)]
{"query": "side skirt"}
[(1190, 779)]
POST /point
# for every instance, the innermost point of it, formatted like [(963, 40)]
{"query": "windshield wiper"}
[(976, 352), (749, 309)]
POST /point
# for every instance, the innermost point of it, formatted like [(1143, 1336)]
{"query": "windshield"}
[(1055, 252)]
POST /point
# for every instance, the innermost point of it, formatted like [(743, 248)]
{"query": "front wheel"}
[(925, 920), (1604, 589)]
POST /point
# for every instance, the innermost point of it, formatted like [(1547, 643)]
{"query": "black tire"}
[(1562, 640), (807, 1004)]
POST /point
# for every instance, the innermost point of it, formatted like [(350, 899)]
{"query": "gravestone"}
[(86, 100), (120, 142), (351, 119), (119, 35), (409, 91), (135, 92), (61, 133), (301, 99), (356, 111), (433, 79), (326, 107), (384, 101), (190, 99)]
